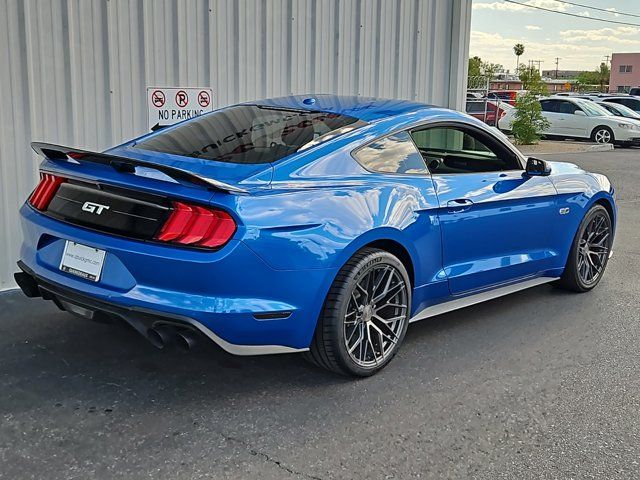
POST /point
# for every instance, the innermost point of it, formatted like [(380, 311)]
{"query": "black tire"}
[(606, 133), (572, 278), (328, 348)]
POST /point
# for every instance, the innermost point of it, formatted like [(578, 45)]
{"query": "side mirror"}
[(537, 167), (580, 112)]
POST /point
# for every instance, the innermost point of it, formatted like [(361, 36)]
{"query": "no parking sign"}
[(169, 105)]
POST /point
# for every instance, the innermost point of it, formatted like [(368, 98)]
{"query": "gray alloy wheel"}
[(603, 135), (589, 252), (365, 315), (593, 248), (376, 315)]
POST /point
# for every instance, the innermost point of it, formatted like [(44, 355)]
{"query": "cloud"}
[(613, 10), (600, 35), (513, 7), (533, 27), (496, 48)]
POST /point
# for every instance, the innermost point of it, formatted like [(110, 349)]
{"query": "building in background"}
[(561, 74), (553, 86), (75, 72), (625, 72)]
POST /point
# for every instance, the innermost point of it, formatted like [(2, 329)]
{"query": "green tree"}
[(475, 65), (489, 69), (531, 80), (599, 77), (529, 122), (588, 78), (604, 72), (518, 49)]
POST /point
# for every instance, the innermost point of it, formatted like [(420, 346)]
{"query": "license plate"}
[(83, 261)]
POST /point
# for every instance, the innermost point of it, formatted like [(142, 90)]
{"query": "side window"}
[(549, 105), (392, 154), (611, 109), (568, 107), (457, 150)]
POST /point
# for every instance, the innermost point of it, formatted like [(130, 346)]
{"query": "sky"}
[(581, 43)]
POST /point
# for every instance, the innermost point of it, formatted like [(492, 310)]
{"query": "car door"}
[(496, 223), (574, 120), (550, 111)]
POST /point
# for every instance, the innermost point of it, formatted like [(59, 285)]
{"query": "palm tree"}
[(518, 49)]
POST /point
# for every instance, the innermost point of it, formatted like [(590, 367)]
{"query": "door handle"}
[(459, 204)]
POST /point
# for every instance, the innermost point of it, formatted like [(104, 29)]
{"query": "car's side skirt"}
[(467, 301)]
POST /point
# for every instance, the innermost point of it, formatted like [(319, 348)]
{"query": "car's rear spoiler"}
[(127, 165)]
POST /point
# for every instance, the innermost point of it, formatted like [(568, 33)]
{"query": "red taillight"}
[(503, 113), (197, 226), (45, 190)]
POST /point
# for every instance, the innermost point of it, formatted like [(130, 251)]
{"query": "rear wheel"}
[(365, 315), (602, 135), (589, 252)]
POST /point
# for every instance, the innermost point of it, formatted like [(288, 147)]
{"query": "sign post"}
[(167, 106)]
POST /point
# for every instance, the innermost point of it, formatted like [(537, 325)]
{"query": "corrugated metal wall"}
[(74, 72)]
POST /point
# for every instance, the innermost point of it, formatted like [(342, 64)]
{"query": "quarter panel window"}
[(392, 154)]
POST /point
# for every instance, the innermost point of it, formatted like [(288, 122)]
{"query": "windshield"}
[(593, 110), (621, 109), (250, 134)]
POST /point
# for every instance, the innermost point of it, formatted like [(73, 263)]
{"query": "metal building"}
[(75, 72)]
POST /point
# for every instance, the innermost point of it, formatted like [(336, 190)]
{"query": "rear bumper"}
[(141, 319), (232, 296)]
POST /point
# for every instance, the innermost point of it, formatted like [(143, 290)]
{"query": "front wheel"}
[(602, 135), (365, 315), (589, 252)]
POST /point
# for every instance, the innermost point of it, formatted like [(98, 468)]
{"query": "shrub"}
[(529, 122)]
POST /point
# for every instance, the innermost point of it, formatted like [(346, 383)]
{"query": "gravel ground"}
[(542, 384), (560, 147)]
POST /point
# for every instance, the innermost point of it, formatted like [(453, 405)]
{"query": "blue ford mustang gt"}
[(319, 224)]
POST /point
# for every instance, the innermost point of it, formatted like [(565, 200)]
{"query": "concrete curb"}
[(600, 148)]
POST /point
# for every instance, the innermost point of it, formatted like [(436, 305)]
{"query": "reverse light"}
[(197, 226), (46, 189)]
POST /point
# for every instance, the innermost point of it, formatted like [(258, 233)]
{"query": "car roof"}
[(562, 97), (368, 109)]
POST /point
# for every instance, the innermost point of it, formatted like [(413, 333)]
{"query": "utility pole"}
[(538, 62), (607, 57), (557, 60)]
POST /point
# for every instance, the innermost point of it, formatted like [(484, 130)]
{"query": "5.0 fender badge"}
[(564, 210)]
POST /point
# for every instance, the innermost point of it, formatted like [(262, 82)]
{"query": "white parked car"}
[(621, 111), (578, 118), (628, 101)]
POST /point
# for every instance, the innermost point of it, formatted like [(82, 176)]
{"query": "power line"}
[(572, 14), (597, 8)]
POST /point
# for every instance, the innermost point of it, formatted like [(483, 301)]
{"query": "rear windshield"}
[(250, 134)]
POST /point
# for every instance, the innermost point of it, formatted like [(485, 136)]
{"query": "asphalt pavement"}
[(542, 384)]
